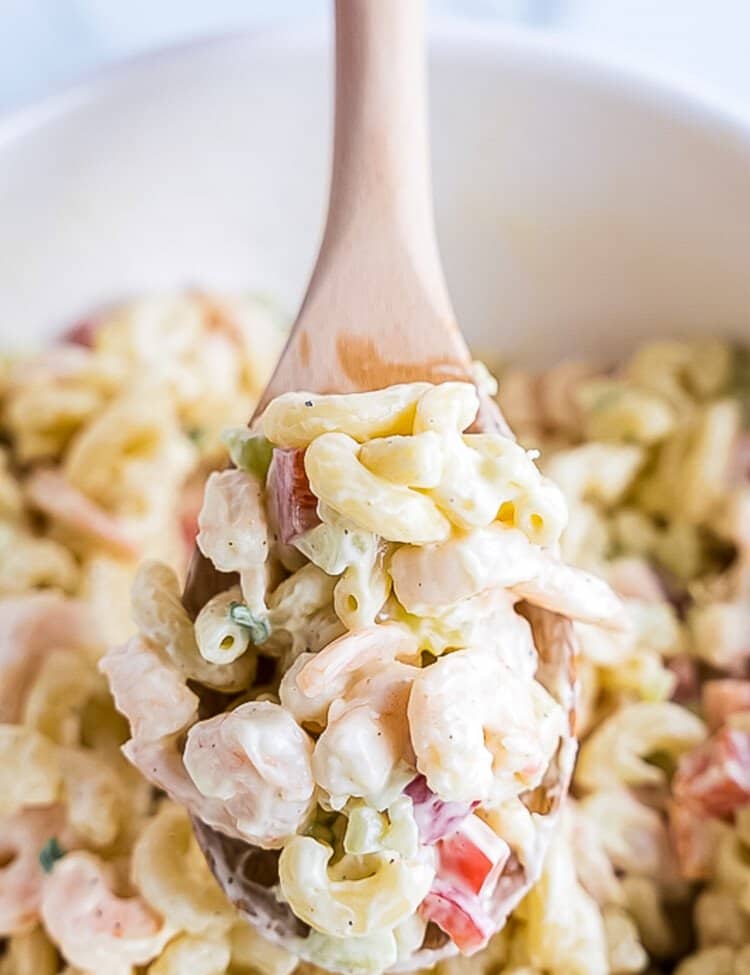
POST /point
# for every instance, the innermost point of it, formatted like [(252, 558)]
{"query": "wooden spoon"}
[(376, 312)]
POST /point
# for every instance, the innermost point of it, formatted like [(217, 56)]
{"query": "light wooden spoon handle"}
[(381, 187), (377, 309)]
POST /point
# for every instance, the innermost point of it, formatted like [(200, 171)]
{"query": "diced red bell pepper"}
[(295, 505), (460, 914), (473, 856), (724, 697), (715, 777), (434, 817), (82, 333)]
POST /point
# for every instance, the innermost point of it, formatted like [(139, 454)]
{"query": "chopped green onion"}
[(195, 434), (250, 452), (50, 853), (258, 627)]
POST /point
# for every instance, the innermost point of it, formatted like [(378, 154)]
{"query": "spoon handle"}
[(381, 173), (377, 309)]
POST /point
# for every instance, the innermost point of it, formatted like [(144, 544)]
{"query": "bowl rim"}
[(671, 93)]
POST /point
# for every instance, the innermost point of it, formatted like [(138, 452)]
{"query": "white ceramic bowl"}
[(579, 208)]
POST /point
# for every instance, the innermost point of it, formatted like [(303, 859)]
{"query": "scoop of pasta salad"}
[(382, 714)]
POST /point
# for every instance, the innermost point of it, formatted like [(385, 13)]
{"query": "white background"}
[(44, 43)]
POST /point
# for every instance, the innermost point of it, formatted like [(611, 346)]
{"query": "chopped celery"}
[(365, 830), (402, 835), (336, 543), (369, 831), (366, 955), (249, 451)]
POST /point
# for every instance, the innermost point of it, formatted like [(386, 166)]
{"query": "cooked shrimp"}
[(365, 750), (479, 732), (256, 759), (148, 690), (307, 709), (315, 680), (50, 493), (93, 927), (492, 622), (161, 763), (232, 522), (22, 836), (428, 578), (380, 643), (563, 589), (30, 628)]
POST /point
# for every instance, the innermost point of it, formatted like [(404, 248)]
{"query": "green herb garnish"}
[(258, 628), (250, 452), (50, 853)]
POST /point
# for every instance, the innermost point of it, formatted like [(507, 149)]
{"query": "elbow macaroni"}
[(388, 893), (396, 513), (169, 870), (296, 419), (616, 752), (220, 640), (413, 461)]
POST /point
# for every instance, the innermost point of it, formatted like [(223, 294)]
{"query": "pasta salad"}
[(108, 438)]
